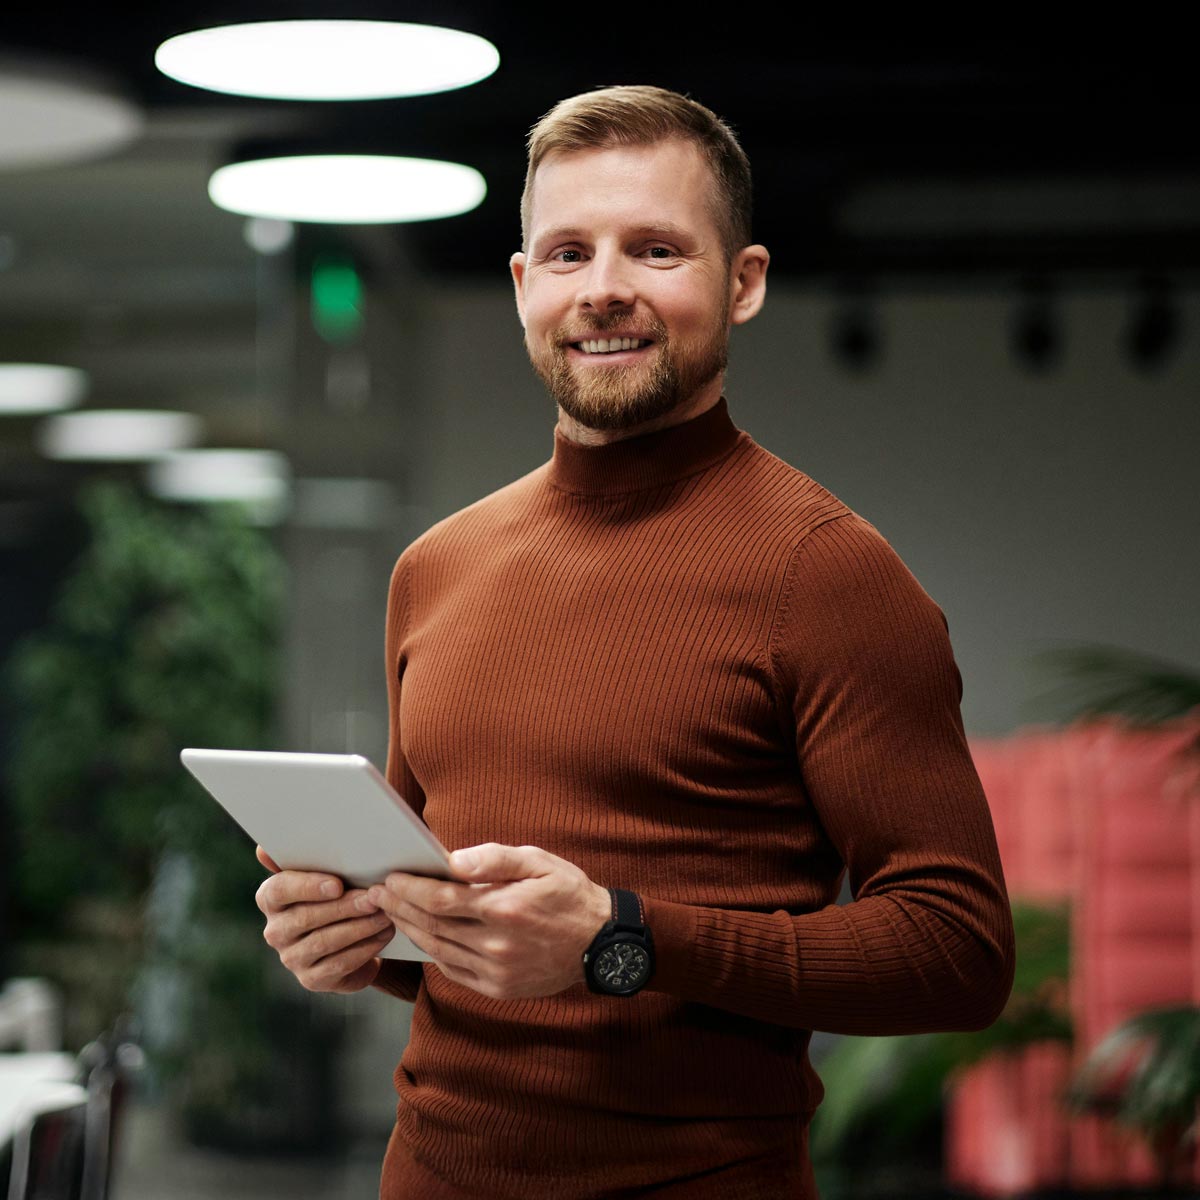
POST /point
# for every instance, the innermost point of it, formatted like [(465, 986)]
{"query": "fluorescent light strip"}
[(252, 476), (327, 60), (48, 117), (27, 389), (117, 435), (347, 189)]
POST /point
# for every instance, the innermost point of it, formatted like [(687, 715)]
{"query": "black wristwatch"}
[(620, 960)]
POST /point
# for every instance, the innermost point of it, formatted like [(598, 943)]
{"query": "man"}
[(668, 664)]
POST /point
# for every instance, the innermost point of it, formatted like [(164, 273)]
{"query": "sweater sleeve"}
[(397, 977), (868, 688)]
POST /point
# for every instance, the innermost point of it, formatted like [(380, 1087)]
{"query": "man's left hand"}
[(516, 927)]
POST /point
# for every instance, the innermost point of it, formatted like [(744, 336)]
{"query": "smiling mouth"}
[(610, 345)]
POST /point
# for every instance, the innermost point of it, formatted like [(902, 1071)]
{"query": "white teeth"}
[(610, 345)]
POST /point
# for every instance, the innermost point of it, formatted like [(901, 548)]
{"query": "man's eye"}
[(660, 252), (566, 256)]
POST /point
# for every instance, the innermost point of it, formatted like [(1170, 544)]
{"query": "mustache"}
[(611, 324)]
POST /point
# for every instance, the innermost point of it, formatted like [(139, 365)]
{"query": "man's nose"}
[(607, 282)]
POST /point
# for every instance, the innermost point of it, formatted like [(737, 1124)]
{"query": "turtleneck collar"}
[(647, 461)]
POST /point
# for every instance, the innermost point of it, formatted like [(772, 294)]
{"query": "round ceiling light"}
[(30, 388), (117, 435), (347, 189), (48, 116), (250, 476), (327, 60)]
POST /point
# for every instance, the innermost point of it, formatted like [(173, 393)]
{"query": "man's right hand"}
[(327, 937)]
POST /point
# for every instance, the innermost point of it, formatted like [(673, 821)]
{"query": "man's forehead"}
[(654, 167), (637, 155)]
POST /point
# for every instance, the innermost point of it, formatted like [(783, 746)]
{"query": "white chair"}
[(59, 1118), (48, 1144)]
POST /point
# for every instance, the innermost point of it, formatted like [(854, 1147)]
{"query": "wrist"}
[(599, 909)]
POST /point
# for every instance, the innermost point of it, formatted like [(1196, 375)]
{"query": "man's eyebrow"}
[(660, 229), (563, 233), (665, 230)]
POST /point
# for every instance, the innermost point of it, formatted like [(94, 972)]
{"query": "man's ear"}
[(516, 265), (747, 283)]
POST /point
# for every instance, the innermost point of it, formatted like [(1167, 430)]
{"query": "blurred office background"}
[(982, 332)]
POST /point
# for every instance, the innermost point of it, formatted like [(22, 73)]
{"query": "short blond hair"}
[(640, 116)]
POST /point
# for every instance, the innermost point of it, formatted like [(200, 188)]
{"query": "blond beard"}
[(620, 397)]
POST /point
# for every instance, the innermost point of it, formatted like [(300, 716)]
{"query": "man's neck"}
[(702, 401)]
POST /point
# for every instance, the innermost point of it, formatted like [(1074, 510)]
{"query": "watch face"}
[(622, 966)]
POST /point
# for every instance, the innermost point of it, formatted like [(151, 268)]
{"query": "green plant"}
[(132, 887), (164, 635), (1092, 681), (1146, 1075)]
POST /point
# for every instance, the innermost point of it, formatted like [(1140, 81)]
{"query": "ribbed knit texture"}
[(681, 664)]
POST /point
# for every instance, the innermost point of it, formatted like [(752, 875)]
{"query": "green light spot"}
[(336, 299)]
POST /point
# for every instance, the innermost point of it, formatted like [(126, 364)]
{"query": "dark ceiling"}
[(822, 119)]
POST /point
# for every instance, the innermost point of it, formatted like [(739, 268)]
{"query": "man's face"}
[(622, 244)]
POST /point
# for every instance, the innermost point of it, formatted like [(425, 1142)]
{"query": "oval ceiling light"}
[(30, 388), (250, 476), (49, 115), (347, 189), (327, 60), (117, 435)]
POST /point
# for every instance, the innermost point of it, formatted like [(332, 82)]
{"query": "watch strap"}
[(627, 908)]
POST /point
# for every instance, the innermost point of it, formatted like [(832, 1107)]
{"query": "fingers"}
[(306, 951), (294, 887), (289, 924), (439, 897), (266, 860), (443, 918), (362, 977), (349, 969), (440, 937), (492, 862), (327, 949), (438, 916), (449, 954), (328, 937)]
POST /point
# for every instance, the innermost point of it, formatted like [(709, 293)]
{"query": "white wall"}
[(1033, 509)]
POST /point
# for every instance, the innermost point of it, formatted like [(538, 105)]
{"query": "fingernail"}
[(329, 889), (465, 860), (364, 904)]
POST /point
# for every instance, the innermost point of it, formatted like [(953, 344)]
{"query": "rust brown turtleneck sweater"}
[(681, 664)]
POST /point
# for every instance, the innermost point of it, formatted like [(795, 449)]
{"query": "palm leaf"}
[(1106, 680), (1145, 1074)]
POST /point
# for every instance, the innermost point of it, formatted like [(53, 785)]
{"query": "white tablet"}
[(323, 812)]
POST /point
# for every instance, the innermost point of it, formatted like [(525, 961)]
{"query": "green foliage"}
[(894, 1085), (1146, 1075), (134, 889), (1106, 680), (164, 635)]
